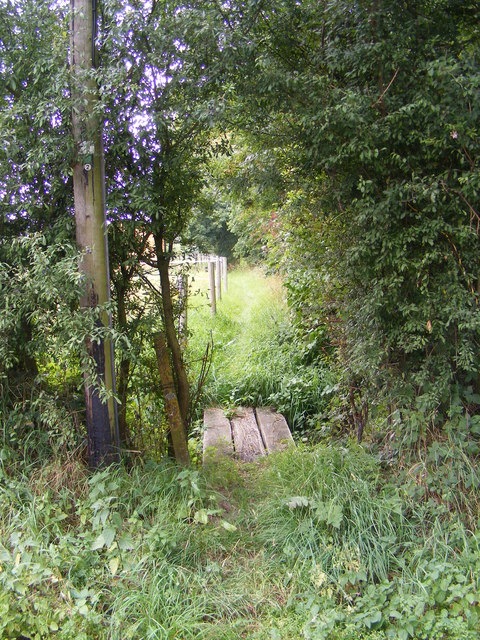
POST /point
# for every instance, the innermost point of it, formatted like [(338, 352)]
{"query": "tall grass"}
[(310, 543), (256, 360)]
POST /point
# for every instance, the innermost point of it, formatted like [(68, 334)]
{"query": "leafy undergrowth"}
[(311, 543), (257, 358)]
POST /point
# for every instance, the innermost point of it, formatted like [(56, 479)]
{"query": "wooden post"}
[(183, 303), (224, 273), (177, 428), (218, 277), (211, 284), (90, 224)]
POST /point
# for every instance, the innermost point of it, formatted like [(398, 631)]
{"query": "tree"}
[(369, 109), (162, 104), (35, 187)]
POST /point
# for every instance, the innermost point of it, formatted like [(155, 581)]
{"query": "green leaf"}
[(228, 526), (298, 501), (113, 566), (125, 542), (335, 515), (395, 614), (98, 543), (108, 535), (201, 516), (373, 619), (329, 512), (105, 539)]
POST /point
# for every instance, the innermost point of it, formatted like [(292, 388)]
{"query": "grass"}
[(310, 543), (313, 543), (256, 360)]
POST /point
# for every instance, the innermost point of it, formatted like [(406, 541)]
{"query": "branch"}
[(473, 211), (224, 15), (380, 98), (151, 285)]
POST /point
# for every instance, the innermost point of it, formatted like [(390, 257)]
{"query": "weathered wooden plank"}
[(274, 429), (246, 436), (217, 439)]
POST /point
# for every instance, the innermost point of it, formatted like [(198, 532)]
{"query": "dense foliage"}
[(369, 115), (337, 144)]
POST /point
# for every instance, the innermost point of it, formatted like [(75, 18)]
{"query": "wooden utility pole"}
[(89, 200)]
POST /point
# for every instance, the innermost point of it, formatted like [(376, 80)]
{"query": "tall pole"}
[(90, 223)]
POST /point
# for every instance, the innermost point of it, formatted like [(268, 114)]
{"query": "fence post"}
[(224, 273), (183, 304), (211, 283), (218, 277)]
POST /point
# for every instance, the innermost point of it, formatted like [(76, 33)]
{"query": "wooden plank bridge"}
[(247, 434)]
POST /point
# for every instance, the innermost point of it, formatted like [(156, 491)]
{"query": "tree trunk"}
[(177, 427), (88, 185), (124, 371), (182, 386), (123, 379), (27, 365)]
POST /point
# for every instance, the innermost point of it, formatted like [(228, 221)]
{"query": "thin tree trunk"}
[(123, 380), (124, 370), (182, 386), (177, 427), (477, 381), (88, 185), (27, 367)]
